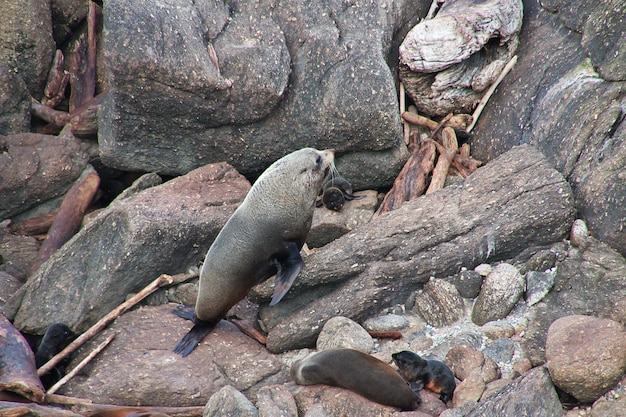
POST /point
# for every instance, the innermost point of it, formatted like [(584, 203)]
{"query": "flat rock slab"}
[(516, 201), (139, 368), (164, 229)]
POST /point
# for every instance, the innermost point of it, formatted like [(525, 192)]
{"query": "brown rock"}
[(439, 303), (139, 367), (586, 356)]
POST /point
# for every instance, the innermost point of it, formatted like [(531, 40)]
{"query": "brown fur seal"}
[(335, 192), (262, 238), (433, 375), (358, 372)]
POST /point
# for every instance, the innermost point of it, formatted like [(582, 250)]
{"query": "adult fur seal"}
[(433, 375), (262, 238), (358, 372)]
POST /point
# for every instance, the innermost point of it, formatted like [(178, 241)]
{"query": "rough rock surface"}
[(513, 399), (418, 243), (341, 332), (500, 291), (26, 43), (588, 282), (586, 356), (145, 337), (93, 273), (439, 303), (228, 401), (14, 103), (234, 108), (554, 98), (35, 168)]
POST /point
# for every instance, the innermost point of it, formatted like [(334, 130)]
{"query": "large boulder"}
[(204, 82), (164, 229)]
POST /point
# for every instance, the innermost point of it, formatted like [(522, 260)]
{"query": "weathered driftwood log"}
[(18, 373), (446, 156), (58, 78), (516, 201), (69, 217), (447, 61), (411, 181)]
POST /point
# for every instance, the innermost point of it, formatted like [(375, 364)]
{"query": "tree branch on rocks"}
[(58, 78), (161, 281), (446, 155)]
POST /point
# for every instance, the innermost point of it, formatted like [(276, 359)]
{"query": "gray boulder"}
[(15, 103), (35, 168), (282, 77), (26, 43), (164, 229)]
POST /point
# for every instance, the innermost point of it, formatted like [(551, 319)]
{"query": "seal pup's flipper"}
[(290, 264), (189, 342)]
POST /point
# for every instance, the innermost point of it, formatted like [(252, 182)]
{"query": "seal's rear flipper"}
[(290, 263), (185, 312), (189, 342)]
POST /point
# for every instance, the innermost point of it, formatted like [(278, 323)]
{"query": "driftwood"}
[(47, 114), (99, 410), (69, 217), (516, 201), (411, 181), (458, 122), (161, 281), (57, 82), (84, 120), (83, 64), (18, 373), (80, 365), (33, 227), (247, 329), (385, 334), (446, 156), (492, 88)]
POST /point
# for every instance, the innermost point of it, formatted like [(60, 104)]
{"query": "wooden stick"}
[(246, 328), (47, 114), (57, 82), (457, 121), (81, 365), (440, 172), (411, 181), (35, 226), (485, 98), (161, 281), (91, 409), (440, 125), (385, 334), (65, 400), (68, 218), (405, 124)]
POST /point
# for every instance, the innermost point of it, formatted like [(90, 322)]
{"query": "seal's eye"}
[(318, 162)]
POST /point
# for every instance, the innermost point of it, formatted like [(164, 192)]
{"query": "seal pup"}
[(335, 192), (262, 238), (54, 340), (433, 375), (357, 372)]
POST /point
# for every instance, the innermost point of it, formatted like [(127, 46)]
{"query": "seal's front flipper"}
[(185, 312), (290, 264), (189, 342)]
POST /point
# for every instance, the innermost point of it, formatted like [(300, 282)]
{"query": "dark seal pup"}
[(433, 375), (262, 238), (357, 372), (335, 192)]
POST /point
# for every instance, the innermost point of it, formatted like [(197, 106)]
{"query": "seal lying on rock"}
[(433, 375), (262, 238), (358, 372)]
